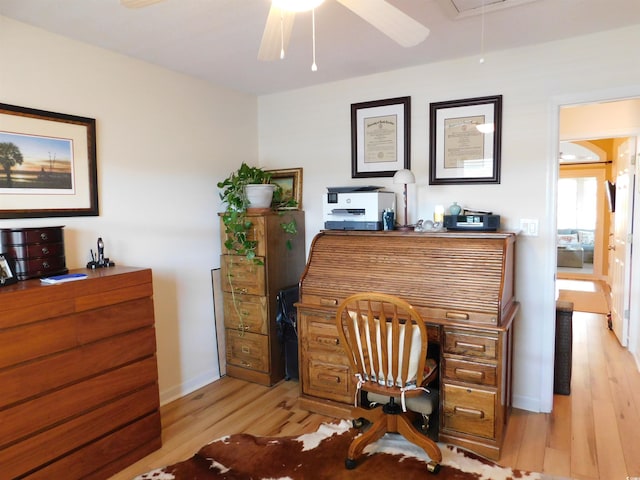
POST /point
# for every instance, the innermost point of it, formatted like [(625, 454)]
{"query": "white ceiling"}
[(218, 40)]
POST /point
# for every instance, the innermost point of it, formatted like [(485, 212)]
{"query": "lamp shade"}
[(404, 176)]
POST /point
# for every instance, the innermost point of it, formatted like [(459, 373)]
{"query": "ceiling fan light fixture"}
[(296, 5)]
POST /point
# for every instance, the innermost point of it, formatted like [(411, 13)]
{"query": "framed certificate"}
[(380, 133), (465, 139)]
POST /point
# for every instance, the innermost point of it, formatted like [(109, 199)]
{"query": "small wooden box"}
[(38, 252)]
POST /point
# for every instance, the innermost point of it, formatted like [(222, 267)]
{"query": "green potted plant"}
[(236, 222)]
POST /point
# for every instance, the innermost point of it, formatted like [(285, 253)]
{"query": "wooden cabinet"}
[(79, 376), (253, 350), (463, 286)]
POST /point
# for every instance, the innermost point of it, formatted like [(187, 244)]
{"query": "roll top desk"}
[(463, 286)]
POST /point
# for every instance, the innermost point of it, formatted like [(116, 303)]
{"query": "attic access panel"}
[(468, 8)]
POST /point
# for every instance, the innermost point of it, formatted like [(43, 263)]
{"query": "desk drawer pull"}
[(470, 412), (328, 340), (470, 346), (328, 302), (472, 374), (457, 316), (329, 378)]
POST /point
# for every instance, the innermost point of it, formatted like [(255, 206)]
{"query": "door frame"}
[(548, 328)]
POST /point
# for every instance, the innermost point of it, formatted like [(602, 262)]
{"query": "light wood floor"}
[(594, 433)]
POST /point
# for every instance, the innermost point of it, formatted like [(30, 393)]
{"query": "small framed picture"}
[(7, 270), (290, 181)]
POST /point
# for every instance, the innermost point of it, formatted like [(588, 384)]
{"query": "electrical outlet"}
[(529, 227)]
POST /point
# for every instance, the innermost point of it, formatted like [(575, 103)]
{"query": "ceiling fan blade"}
[(276, 35), (138, 3), (391, 21)]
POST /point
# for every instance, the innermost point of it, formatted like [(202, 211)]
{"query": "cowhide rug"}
[(321, 455)]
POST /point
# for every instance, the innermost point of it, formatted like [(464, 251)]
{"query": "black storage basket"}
[(563, 355)]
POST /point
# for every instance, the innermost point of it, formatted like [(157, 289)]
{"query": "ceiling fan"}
[(390, 20)]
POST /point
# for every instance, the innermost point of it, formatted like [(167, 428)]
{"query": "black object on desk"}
[(101, 261)]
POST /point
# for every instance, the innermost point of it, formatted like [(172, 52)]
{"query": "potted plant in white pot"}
[(238, 194)]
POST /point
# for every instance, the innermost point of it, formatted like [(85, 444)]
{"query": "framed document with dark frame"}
[(47, 164), (290, 180), (380, 137), (7, 270), (465, 141)]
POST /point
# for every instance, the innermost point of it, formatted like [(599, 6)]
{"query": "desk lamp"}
[(404, 177)]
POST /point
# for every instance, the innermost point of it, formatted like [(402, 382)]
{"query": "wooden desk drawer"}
[(469, 410), (247, 350), (321, 336), (327, 378), (471, 343), (470, 372), (242, 276), (246, 312)]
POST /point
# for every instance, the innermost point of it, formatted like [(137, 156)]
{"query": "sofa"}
[(570, 242)]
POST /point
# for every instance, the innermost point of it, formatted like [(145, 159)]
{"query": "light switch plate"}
[(529, 227)]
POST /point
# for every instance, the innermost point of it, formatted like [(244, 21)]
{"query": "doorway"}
[(607, 132), (583, 224)]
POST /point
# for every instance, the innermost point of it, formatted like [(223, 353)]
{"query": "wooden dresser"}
[(463, 286), (79, 376), (254, 352)]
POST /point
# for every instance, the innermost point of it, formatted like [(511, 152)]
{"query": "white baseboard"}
[(531, 404), (186, 388)]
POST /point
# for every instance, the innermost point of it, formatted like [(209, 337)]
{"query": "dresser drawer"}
[(247, 350), (242, 276), (255, 234), (327, 377), (246, 312), (471, 343), (36, 250), (39, 267), (469, 372), (25, 236), (469, 410)]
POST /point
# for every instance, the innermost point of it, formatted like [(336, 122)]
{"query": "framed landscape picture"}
[(290, 180), (47, 164)]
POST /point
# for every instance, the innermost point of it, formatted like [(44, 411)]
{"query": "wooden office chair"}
[(389, 361)]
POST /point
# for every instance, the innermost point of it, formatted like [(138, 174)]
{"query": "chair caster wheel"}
[(350, 464), (359, 422), (433, 467)]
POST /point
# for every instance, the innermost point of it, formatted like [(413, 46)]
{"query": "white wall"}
[(313, 131), (163, 142)]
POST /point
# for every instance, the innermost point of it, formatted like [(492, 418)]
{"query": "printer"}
[(355, 208)]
